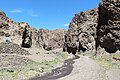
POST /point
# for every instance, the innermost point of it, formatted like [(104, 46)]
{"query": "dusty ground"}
[(22, 67), (86, 68), (17, 66)]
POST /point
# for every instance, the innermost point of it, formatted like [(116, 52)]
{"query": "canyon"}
[(93, 36)]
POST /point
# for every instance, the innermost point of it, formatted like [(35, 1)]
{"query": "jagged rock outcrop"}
[(108, 30), (82, 32), (26, 38)]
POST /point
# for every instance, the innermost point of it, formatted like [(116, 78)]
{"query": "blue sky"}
[(47, 14)]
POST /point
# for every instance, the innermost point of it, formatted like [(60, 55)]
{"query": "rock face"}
[(2, 13), (87, 31), (82, 32), (50, 40), (26, 38), (9, 28), (96, 27), (108, 30)]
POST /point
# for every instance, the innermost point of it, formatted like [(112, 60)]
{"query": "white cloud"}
[(16, 11), (29, 12), (66, 25)]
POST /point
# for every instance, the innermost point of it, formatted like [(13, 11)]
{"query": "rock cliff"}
[(50, 40), (108, 30), (87, 31), (82, 32), (27, 36), (96, 27)]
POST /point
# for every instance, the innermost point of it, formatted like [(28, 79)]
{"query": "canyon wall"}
[(26, 36), (95, 28), (108, 29), (82, 32)]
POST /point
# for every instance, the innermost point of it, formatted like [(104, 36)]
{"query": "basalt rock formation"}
[(108, 30), (82, 32)]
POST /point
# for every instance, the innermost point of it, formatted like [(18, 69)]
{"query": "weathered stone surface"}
[(47, 39), (26, 38), (2, 13), (50, 40), (82, 32), (90, 29), (87, 30), (108, 30)]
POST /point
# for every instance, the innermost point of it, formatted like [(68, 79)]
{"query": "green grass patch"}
[(106, 61), (116, 55)]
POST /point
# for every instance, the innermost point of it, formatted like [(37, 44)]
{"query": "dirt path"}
[(59, 72), (82, 68), (85, 69), (113, 74)]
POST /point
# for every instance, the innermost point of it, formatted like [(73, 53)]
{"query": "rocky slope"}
[(26, 36)]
